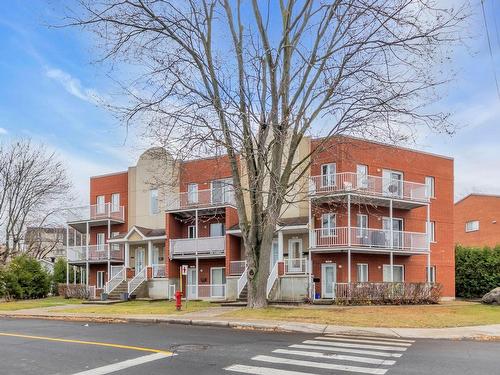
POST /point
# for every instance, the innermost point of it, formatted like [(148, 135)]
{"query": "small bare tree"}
[(34, 182), (251, 79)]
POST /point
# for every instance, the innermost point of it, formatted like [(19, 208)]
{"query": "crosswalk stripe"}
[(350, 345), (370, 337), (364, 341), (321, 365), (340, 357), (346, 350), (263, 370)]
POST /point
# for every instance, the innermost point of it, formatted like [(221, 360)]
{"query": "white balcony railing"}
[(206, 291), (95, 252), (237, 267), (198, 246), (203, 198), (367, 184), (158, 271), (369, 238), (95, 212), (295, 265)]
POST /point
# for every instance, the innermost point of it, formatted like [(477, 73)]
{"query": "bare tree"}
[(251, 79), (35, 183)]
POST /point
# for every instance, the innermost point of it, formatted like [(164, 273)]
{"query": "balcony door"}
[(192, 193), (221, 190), (328, 172), (392, 183), (397, 229), (328, 279), (100, 207), (100, 240), (217, 230), (362, 176)]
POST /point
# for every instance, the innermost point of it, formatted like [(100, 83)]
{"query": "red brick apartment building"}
[(366, 212), (477, 219)]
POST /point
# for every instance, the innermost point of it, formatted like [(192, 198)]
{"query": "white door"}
[(397, 231), (100, 239), (218, 281), (192, 193), (392, 183), (328, 172), (191, 283), (100, 205), (328, 278), (140, 255), (362, 176), (295, 255), (275, 254)]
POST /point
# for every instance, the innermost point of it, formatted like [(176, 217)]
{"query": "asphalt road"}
[(54, 347)]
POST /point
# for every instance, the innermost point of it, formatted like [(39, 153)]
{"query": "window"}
[(192, 231), (115, 202), (100, 205), (153, 202), (217, 229), (472, 226), (222, 190), (100, 239), (192, 193), (392, 183), (399, 273), (328, 224), (100, 279), (433, 274), (328, 172), (429, 182), (115, 246), (362, 176), (362, 276), (432, 231), (361, 226)]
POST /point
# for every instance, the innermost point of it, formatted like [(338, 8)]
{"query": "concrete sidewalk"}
[(210, 317)]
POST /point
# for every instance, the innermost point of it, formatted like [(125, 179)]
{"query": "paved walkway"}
[(212, 317)]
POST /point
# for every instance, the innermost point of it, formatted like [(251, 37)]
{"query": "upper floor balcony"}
[(96, 212), (207, 198), (369, 239), (376, 189), (198, 247), (95, 253)]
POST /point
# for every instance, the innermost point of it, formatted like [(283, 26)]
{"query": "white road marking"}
[(263, 370), (373, 361), (370, 337), (125, 364), (321, 365), (364, 341), (360, 346), (345, 350)]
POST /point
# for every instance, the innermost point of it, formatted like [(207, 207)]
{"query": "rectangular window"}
[(100, 240), (362, 226), (192, 193), (115, 202), (429, 182), (100, 279), (432, 231), (362, 176), (472, 226), (399, 273), (100, 205), (362, 276), (217, 229), (328, 224), (328, 172), (153, 202), (433, 274), (191, 231)]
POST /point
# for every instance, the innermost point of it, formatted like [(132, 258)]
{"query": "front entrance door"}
[(139, 259), (191, 283), (328, 278), (295, 255), (275, 254), (218, 281)]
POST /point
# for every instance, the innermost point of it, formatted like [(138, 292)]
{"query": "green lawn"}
[(37, 303), (141, 308), (455, 314)]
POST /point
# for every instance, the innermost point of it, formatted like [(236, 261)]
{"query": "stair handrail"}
[(242, 281), (115, 281), (273, 276), (137, 280)]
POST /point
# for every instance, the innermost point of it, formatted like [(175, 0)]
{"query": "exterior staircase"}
[(121, 288), (244, 294)]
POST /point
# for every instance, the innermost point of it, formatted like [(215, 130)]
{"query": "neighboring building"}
[(45, 243), (360, 208), (477, 220)]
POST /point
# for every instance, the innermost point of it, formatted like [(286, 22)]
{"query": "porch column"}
[(349, 223), (67, 272), (87, 274), (392, 266), (109, 250), (196, 241), (391, 228), (87, 238), (349, 265), (150, 253), (67, 246), (197, 270), (429, 234), (74, 275), (280, 245), (127, 254)]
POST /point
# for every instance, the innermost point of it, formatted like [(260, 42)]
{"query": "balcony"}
[(95, 253), (295, 266), (365, 238), (95, 212), (366, 185), (201, 247), (203, 199)]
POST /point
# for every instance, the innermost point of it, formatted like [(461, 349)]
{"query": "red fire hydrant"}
[(178, 301)]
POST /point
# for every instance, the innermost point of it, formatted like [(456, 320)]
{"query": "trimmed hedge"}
[(477, 270), (73, 291)]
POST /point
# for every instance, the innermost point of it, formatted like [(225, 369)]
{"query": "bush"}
[(73, 291), (477, 271), (25, 278)]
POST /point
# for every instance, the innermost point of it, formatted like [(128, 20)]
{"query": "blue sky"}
[(48, 90)]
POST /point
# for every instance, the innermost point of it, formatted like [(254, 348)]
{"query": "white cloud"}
[(73, 85), (3, 131)]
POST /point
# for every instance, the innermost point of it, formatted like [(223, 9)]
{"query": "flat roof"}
[(478, 195), (108, 174)]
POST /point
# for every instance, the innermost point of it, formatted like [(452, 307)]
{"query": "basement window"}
[(472, 226)]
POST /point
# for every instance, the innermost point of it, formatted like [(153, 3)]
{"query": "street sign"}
[(184, 269)]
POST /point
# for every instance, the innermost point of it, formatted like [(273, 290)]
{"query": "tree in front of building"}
[(24, 278)]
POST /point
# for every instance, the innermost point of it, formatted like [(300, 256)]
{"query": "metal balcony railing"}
[(105, 211), (369, 185), (95, 252), (237, 267), (198, 246), (203, 198)]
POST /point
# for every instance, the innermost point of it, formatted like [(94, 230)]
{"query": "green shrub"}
[(477, 271), (25, 278)]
